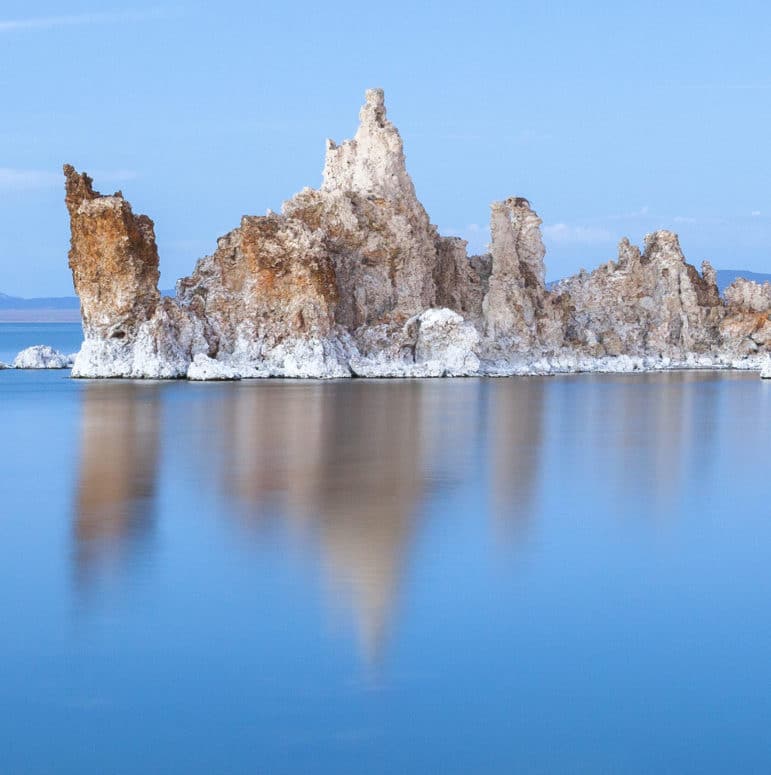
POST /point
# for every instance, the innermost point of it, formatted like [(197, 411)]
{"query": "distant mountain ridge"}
[(46, 309), (726, 276), (51, 302)]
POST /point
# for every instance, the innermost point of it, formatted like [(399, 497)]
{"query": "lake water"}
[(567, 574), (15, 337)]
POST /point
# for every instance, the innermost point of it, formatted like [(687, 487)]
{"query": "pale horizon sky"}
[(612, 119)]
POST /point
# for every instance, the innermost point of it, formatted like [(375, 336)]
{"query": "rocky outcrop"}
[(377, 234), (518, 312), (461, 282), (128, 329), (436, 343), (266, 300), (746, 328), (41, 356), (352, 279), (113, 258), (645, 304)]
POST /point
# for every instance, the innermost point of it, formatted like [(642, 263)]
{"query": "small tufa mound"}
[(41, 356)]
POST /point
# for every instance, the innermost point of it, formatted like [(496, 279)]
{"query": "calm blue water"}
[(15, 337), (448, 576)]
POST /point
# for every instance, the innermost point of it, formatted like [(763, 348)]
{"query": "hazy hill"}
[(726, 276), (54, 309), (57, 309)]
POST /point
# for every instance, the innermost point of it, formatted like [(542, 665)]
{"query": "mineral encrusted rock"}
[(265, 300), (353, 279), (746, 326), (41, 356), (646, 304), (377, 234), (205, 369), (518, 311), (461, 282), (128, 329)]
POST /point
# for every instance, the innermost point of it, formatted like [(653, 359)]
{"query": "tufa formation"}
[(352, 279)]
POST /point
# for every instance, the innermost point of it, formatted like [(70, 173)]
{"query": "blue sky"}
[(613, 119)]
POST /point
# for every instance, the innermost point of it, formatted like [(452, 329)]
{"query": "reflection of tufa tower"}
[(118, 463), (343, 464), (515, 427)]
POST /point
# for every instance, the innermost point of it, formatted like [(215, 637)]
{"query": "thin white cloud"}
[(29, 180), (566, 234), (20, 180), (72, 20)]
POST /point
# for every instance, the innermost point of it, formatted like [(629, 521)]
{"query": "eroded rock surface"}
[(645, 304), (376, 232), (266, 300), (461, 282), (746, 328), (519, 314), (41, 356), (352, 279), (128, 329), (113, 258)]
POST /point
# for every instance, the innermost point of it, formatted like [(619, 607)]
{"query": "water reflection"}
[(357, 470), (115, 496), (515, 427), (641, 435), (344, 465)]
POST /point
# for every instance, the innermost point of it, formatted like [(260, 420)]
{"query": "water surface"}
[(15, 337), (567, 574)]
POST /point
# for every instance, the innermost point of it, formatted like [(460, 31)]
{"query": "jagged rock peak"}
[(113, 258), (628, 254), (79, 188), (746, 295), (663, 244), (516, 296), (516, 231), (373, 161)]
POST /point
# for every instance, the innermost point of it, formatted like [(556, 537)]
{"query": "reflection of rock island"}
[(344, 464), (350, 467), (118, 469), (355, 468)]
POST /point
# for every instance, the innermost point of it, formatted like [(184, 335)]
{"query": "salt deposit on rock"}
[(42, 356), (352, 279), (205, 368)]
